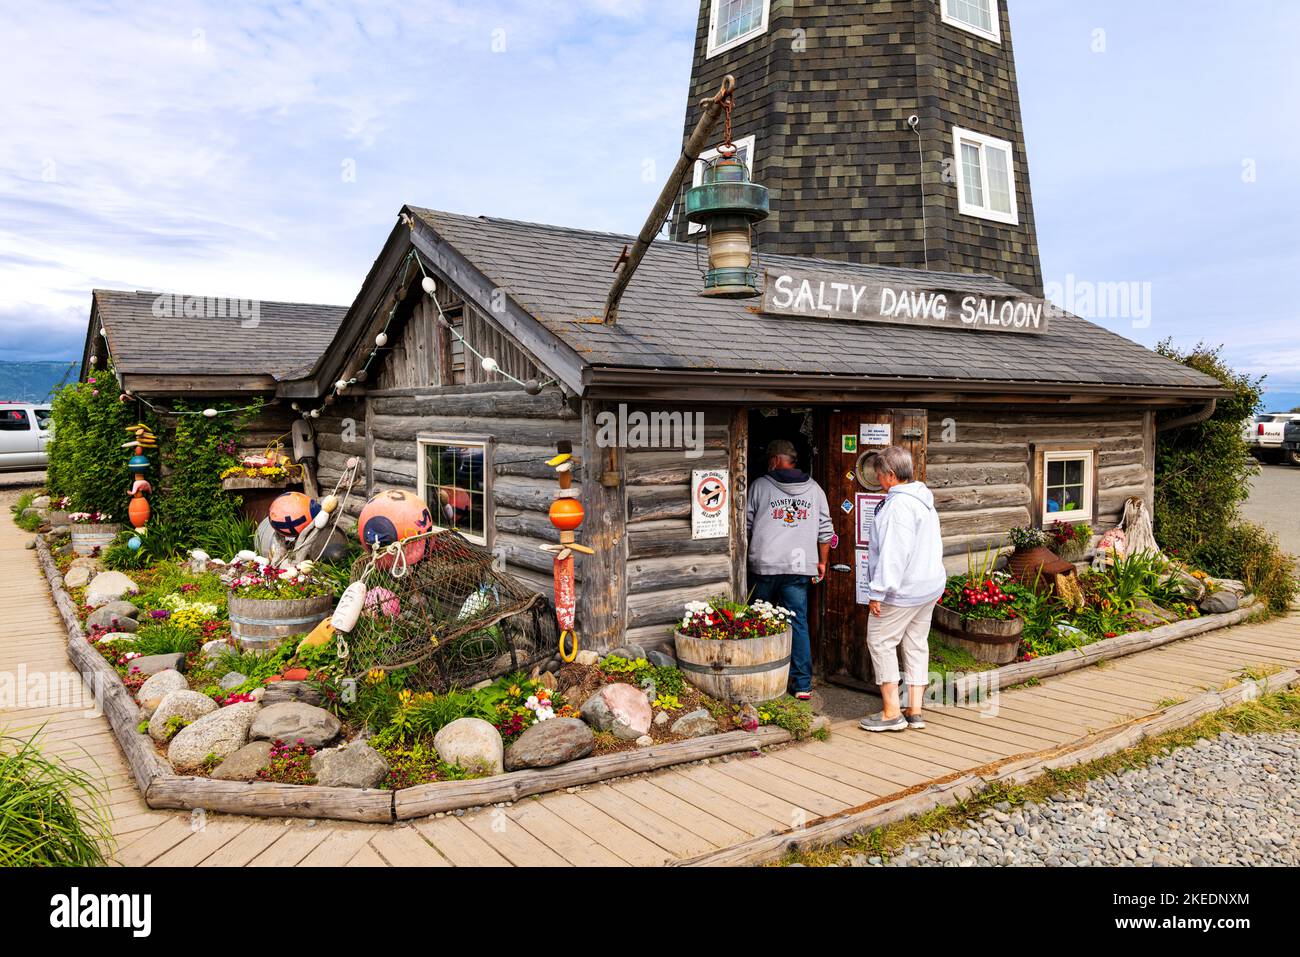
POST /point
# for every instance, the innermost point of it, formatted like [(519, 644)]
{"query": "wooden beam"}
[(603, 597)]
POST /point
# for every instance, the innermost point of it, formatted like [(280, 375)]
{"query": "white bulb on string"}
[(381, 340), (210, 413), (490, 364), (296, 407), (428, 285), (341, 385), (315, 413)]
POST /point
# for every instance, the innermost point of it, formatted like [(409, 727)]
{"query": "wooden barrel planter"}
[(259, 624), (992, 642), (747, 670), (59, 517), (90, 539)]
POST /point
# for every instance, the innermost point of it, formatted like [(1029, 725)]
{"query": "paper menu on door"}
[(862, 577), (865, 507)]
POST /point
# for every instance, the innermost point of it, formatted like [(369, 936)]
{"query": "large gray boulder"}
[(1219, 603), (244, 764), (106, 616), (695, 724), (109, 586), (355, 765), (471, 743), (620, 709), (222, 732), (187, 705), (159, 686), (152, 664), (294, 721), (550, 742), (78, 576)]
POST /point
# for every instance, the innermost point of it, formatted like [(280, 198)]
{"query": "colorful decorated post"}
[(566, 514), (138, 510)]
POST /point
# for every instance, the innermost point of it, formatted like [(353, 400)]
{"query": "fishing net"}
[(439, 606)]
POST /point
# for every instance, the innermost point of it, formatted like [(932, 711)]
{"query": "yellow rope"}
[(568, 656)]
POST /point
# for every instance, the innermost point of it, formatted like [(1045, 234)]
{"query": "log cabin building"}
[(900, 304)]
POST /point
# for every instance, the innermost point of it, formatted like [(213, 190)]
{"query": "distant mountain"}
[(33, 381)]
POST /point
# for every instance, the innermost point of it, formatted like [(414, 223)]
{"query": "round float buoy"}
[(291, 513), (391, 516)]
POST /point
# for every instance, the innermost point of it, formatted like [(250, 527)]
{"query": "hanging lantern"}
[(728, 205)]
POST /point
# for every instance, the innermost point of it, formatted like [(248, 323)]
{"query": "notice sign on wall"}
[(866, 507), (877, 433), (868, 299), (862, 577), (710, 498)]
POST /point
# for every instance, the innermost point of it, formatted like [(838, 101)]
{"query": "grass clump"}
[(51, 815)]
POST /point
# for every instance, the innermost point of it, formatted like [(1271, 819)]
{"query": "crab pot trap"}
[(449, 614)]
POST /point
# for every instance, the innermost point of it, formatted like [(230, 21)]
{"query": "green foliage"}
[(31, 522), (789, 713), (165, 640), (226, 534), (258, 665), (86, 460), (1203, 474), (419, 764), (173, 726), (51, 815), (427, 714), (193, 453)]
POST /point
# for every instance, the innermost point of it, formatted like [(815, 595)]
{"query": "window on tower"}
[(979, 17), (986, 181), (732, 22)]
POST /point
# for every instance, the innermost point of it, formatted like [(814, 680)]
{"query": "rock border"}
[(1014, 770), (163, 789)]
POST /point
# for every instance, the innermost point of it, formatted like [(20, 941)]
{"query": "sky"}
[(263, 150)]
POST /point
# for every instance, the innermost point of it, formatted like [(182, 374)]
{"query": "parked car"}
[(1264, 434), (24, 431), (1291, 442)]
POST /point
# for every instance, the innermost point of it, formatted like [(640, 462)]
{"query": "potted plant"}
[(1032, 562), (734, 651), (92, 531), (977, 613), (270, 603), (59, 511), (1070, 541)]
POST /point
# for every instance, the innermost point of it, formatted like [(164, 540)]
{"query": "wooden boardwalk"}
[(649, 819)]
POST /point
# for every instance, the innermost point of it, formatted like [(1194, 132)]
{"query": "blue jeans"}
[(791, 591)]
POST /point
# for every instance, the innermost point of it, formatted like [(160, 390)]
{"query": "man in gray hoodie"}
[(790, 533), (906, 579)]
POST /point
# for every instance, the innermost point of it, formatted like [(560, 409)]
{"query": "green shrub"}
[(51, 815), (1252, 555), (31, 522), (86, 460)]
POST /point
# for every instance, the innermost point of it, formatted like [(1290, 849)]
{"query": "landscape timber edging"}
[(1015, 770), (162, 788), (1118, 647)]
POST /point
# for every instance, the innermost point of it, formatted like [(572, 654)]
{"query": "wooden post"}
[(602, 594), (738, 465), (370, 448), (1149, 459)]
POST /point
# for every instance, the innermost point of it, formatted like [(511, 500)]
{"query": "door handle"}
[(842, 569)]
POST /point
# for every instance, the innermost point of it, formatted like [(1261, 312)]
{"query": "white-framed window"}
[(986, 176), (455, 478), (979, 17), (1069, 478), (744, 152), (732, 22)]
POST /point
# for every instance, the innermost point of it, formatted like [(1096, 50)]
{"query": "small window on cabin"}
[(1067, 486), (454, 480), (979, 17), (15, 420), (456, 349), (744, 153), (986, 182), (733, 22)]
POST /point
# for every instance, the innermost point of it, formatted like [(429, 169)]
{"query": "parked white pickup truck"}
[(24, 432), (1264, 434)]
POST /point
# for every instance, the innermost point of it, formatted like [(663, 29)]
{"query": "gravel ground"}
[(1231, 801)]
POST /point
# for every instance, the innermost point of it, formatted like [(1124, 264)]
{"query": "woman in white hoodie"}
[(907, 578)]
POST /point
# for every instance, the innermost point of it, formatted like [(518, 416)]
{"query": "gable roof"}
[(561, 276), (150, 334)]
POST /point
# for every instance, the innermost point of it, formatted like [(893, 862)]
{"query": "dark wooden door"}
[(852, 435)]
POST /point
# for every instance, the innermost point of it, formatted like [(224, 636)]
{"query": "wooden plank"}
[(155, 843), (563, 838), (718, 831), (459, 844), (605, 830), (201, 844), (851, 775), (406, 847), (338, 849), (1009, 733), (512, 841), (812, 802), (367, 856), (247, 845), (711, 802), (602, 601), (653, 826), (294, 844)]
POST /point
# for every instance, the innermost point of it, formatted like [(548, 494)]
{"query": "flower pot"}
[(87, 538), (988, 640), (741, 671), (59, 517), (1037, 567), (258, 624)]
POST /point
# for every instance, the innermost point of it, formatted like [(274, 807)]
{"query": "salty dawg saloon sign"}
[(823, 296)]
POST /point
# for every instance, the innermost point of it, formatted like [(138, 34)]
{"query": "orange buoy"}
[(567, 514), (138, 511)]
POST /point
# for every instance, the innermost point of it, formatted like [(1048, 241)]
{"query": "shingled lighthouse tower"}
[(888, 132)]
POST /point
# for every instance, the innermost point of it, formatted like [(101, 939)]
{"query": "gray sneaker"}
[(877, 722), (915, 721)]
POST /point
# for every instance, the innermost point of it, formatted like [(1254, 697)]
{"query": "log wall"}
[(982, 478)]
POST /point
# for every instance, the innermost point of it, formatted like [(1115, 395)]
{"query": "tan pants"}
[(905, 629)]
